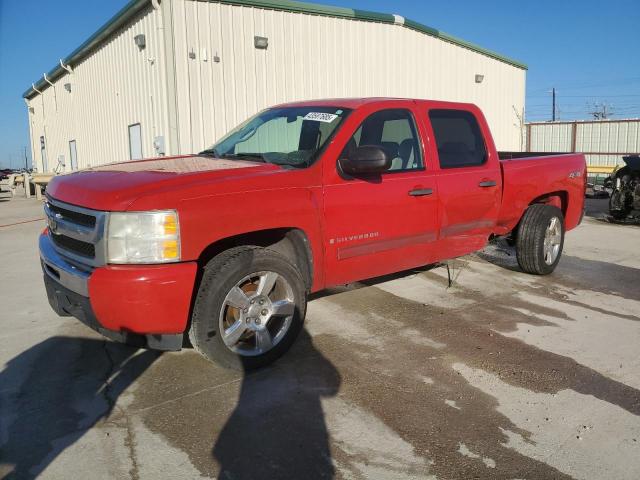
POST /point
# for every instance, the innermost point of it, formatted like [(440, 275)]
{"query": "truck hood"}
[(116, 186), (633, 161)]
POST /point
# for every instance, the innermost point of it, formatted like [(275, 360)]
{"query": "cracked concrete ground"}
[(502, 375)]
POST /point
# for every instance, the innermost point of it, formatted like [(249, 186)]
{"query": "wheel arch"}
[(290, 242), (558, 199)]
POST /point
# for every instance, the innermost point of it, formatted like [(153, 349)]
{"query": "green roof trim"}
[(118, 20), (462, 43), (312, 8), (135, 6)]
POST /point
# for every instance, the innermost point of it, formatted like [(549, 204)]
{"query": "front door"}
[(384, 223)]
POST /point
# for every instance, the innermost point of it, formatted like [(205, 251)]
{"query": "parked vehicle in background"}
[(225, 246), (624, 183)]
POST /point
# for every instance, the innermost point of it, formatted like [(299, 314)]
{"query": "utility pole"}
[(26, 165), (553, 104)]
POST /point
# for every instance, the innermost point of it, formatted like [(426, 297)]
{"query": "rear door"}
[(469, 180), (385, 223)]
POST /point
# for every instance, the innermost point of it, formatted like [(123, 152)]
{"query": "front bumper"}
[(145, 305)]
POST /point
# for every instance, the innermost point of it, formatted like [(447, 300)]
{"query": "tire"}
[(617, 214), (235, 277), (530, 241)]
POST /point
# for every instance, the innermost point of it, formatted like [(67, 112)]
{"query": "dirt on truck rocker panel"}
[(224, 246)]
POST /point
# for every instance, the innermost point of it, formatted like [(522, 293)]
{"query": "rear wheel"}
[(249, 309), (540, 239)]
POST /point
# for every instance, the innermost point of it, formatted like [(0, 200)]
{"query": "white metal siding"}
[(598, 139), (311, 57), (116, 86)]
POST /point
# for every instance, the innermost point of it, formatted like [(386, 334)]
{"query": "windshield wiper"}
[(209, 152), (245, 156)]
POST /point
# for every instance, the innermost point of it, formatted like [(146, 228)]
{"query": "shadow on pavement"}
[(278, 429), (53, 393)]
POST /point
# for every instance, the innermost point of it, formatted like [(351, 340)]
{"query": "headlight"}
[(143, 237)]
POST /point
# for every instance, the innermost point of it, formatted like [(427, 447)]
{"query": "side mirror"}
[(367, 159)]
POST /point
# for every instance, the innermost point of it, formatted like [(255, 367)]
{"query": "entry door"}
[(73, 155), (135, 142), (469, 182), (384, 223)]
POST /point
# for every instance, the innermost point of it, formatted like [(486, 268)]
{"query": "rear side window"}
[(458, 138)]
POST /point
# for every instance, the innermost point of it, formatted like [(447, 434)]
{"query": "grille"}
[(75, 217), (77, 232), (78, 247)]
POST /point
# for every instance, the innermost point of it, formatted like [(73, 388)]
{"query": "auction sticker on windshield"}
[(320, 117)]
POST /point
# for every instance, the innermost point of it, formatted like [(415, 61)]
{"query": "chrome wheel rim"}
[(257, 313), (552, 240)]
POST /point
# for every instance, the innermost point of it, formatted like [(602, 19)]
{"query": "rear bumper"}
[(145, 305)]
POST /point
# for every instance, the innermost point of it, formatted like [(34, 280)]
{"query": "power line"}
[(593, 85), (586, 96)]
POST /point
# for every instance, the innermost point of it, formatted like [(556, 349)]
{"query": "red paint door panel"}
[(469, 180), (384, 223)]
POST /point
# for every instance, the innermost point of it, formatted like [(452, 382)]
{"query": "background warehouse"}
[(171, 77)]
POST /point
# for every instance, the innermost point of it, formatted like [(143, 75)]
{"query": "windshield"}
[(290, 136)]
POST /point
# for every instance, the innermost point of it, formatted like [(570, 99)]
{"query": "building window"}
[(73, 155), (135, 141)]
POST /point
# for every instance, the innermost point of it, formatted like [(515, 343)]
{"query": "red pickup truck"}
[(223, 247)]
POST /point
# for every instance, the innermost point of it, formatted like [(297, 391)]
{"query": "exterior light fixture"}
[(141, 41), (67, 87), (479, 78), (260, 42)]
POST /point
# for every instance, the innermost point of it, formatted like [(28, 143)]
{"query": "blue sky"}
[(587, 49)]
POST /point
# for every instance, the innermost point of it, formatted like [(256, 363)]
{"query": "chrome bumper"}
[(60, 270)]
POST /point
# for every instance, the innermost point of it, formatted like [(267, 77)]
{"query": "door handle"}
[(420, 192), (487, 183)]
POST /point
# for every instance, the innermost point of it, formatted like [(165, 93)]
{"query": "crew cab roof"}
[(358, 102)]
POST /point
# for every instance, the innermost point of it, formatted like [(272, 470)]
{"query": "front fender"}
[(204, 221)]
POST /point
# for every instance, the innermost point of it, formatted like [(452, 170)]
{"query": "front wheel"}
[(540, 239), (250, 308)]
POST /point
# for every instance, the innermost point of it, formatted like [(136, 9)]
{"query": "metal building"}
[(172, 76), (604, 142)]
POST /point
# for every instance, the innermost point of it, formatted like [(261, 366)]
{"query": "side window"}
[(394, 131), (458, 138)]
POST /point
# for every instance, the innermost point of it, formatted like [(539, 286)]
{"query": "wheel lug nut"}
[(264, 312), (252, 302), (257, 321), (261, 302)]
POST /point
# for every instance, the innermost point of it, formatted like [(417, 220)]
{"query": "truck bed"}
[(517, 155), (528, 176)]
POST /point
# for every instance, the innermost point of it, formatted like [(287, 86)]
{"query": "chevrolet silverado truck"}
[(222, 248)]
